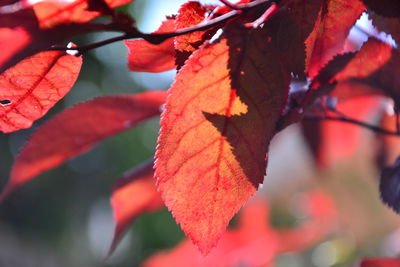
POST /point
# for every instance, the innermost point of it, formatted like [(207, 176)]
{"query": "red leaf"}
[(373, 70), (15, 26), (380, 262), (35, 85), (144, 56), (133, 194), (18, 26), (21, 38), (51, 13), (255, 242), (330, 32), (218, 121), (77, 129), (372, 56)]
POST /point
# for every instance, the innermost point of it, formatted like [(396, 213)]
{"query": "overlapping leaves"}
[(77, 129), (37, 27), (212, 148), (223, 108)]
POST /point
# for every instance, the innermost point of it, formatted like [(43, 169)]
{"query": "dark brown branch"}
[(371, 127), (154, 38), (157, 38), (84, 48)]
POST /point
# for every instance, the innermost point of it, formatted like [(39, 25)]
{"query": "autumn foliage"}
[(239, 66)]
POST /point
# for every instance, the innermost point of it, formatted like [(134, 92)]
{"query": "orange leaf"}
[(330, 32), (35, 85), (144, 56), (77, 129), (216, 128), (254, 243), (133, 194), (50, 12), (190, 14)]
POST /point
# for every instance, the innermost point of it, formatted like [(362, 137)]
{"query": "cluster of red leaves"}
[(229, 98), (255, 242)]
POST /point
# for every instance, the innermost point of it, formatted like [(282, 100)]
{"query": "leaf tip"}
[(114, 243)]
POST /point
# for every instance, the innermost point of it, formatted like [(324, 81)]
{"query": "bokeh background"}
[(63, 217)]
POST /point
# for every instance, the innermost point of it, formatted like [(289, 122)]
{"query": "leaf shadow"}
[(259, 83)]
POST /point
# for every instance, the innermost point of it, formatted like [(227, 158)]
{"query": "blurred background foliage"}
[(63, 218)]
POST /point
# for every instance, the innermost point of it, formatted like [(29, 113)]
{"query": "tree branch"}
[(84, 48), (157, 38), (371, 127)]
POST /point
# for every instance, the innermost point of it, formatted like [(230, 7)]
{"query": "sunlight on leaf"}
[(35, 85), (219, 119), (77, 129), (144, 56)]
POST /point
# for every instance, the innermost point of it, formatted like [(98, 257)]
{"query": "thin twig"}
[(84, 48), (264, 17), (371, 127), (229, 4), (253, 4)]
